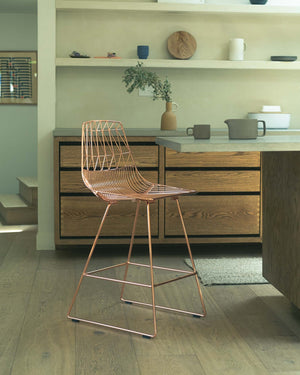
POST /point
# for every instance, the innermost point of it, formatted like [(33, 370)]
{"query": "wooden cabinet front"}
[(210, 181), (81, 216), (212, 159), (78, 212), (143, 154), (225, 208), (227, 200), (215, 215), (71, 181)]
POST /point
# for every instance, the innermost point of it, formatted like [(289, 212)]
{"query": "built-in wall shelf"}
[(187, 64), (173, 8)]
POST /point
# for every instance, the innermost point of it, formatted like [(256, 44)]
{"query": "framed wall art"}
[(18, 77)]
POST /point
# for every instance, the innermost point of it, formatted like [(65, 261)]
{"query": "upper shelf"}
[(174, 8), (188, 64)]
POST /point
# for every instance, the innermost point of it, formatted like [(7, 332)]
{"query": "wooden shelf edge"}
[(174, 8), (181, 64)]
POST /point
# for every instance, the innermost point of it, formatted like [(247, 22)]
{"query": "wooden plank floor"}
[(248, 329)]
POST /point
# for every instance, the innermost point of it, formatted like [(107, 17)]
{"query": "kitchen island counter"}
[(280, 164), (280, 142)]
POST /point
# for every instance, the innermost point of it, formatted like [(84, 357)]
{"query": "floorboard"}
[(260, 328), (17, 274), (5, 244), (248, 329), (47, 340), (281, 307)]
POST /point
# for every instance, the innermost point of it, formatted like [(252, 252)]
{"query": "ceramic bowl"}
[(273, 120), (261, 2)]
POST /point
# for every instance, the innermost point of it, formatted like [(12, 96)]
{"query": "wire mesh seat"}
[(109, 171)]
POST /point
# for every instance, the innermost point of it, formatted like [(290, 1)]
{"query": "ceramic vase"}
[(168, 118)]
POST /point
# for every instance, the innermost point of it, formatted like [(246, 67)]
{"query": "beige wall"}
[(18, 121), (208, 96), (46, 123)]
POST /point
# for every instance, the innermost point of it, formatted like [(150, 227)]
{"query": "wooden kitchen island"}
[(226, 208), (280, 165)]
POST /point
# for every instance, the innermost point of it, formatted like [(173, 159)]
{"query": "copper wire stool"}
[(109, 171)]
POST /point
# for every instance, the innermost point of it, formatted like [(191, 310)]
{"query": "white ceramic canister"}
[(237, 47)]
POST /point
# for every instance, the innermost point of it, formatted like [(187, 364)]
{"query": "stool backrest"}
[(104, 146), (107, 165)]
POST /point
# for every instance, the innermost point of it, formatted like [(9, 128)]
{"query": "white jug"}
[(237, 47)]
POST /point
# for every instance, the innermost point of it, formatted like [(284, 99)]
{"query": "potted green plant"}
[(137, 77)]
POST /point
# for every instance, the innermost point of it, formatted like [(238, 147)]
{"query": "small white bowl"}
[(273, 120)]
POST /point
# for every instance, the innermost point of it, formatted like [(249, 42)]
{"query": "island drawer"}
[(212, 159), (81, 215), (215, 215), (216, 180), (145, 156), (71, 181)]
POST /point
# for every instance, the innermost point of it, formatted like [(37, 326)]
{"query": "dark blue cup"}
[(143, 52)]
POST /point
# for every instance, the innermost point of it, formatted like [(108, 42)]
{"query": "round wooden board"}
[(182, 45)]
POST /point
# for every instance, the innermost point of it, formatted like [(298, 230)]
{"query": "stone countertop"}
[(130, 132), (156, 132), (285, 141)]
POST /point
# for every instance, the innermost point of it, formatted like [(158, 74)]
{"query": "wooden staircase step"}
[(28, 189), (14, 210)]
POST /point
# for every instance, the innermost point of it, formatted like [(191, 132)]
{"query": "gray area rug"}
[(229, 270)]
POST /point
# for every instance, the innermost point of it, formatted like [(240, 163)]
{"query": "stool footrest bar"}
[(196, 315), (143, 334), (175, 279), (117, 280)]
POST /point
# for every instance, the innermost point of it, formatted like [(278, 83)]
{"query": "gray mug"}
[(199, 131)]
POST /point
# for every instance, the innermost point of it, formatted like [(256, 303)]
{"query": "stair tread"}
[(29, 181), (12, 201)]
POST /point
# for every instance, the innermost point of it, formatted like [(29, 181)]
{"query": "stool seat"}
[(127, 183)]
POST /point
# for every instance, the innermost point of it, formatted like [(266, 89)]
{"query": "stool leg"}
[(191, 258), (151, 269), (130, 246), (89, 257)]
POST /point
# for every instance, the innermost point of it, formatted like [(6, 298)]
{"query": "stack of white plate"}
[(273, 117)]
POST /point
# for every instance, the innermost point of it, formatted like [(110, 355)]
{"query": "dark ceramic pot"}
[(260, 2)]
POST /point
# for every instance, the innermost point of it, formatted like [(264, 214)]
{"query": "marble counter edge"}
[(223, 144), (154, 132)]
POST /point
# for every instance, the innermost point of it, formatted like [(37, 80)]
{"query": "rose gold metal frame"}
[(109, 171)]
